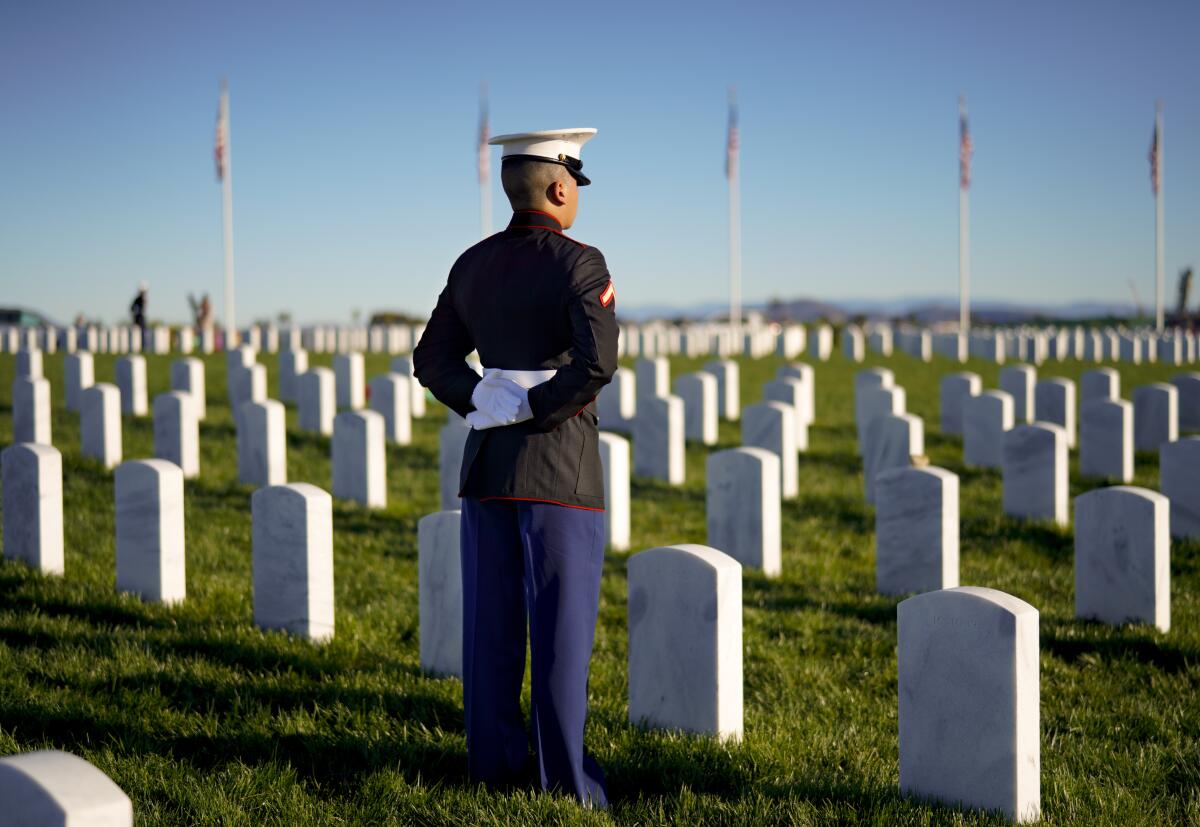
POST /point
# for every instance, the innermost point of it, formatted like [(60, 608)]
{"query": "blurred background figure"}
[(201, 312), (138, 310)]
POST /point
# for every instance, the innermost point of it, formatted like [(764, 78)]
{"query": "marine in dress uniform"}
[(540, 309)]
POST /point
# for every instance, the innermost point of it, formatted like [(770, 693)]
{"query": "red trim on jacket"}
[(536, 500)]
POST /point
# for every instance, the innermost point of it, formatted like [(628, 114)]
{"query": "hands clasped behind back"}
[(498, 402)]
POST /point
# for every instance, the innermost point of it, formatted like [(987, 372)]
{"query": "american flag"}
[(731, 141), (484, 166), (1155, 172), (221, 141), (965, 148)]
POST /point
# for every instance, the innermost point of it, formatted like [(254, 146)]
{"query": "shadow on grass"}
[(1115, 644), (779, 596)]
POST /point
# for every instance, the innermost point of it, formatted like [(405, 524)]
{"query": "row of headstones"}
[(756, 338)]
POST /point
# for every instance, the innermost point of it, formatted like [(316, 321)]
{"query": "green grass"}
[(203, 719)]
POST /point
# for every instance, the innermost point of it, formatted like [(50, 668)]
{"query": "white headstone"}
[(1035, 468), (292, 365), (293, 559), (653, 377), (852, 343), (728, 387), (1179, 480), (956, 389), (1155, 415), (743, 507), (452, 438), (440, 598), (187, 375), (31, 410), (150, 545), (1100, 383), (658, 446), (262, 443), (176, 431), (805, 375), (1187, 386), (870, 402), (33, 506), (698, 391), (824, 342), (1054, 402), (131, 379), (616, 404), (404, 366), (916, 530), (1106, 439), (985, 418), (29, 364), (349, 373), (391, 397), (100, 424), (968, 682), (793, 393), (770, 425), (685, 640), (49, 788), (79, 374), (359, 458), (615, 460), (1123, 556), (316, 402), (1018, 381), (892, 441)]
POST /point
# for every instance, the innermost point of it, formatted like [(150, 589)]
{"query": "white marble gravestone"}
[(615, 460), (1099, 383), (33, 506), (1155, 415), (316, 402), (31, 410), (100, 424), (658, 445), (79, 375), (916, 530), (29, 364), (892, 441), (729, 391), (131, 380), (743, 507), (391, 398), (262, 443), (359, 458), (1035, 468), (1187, 386), (616, 404), (1054, 402), (150, 544), (452, 438), (1018, 381), (852, 343), (770, 425), (187, 375), (177, 432), (1179, 480), (349, 373), (968, 685), (440, 598), (1123, 556), (685, 640), (292, 365), (985, 419), (792, 392), (293, 559), (49, 788), (698, 391), (1106, 439), (804, 374), (404, 366), (873, 402), (955, 389), (653, 378)]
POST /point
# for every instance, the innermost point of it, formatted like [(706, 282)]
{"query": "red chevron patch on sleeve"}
[(607, 294)]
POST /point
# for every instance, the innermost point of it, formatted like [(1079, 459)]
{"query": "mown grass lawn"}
[(203, 719)]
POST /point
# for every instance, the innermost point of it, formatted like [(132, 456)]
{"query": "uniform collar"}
[(534, 219)]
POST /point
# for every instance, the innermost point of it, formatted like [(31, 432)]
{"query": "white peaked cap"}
[(559, 146)]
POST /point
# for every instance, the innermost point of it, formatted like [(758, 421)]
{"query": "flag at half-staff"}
[(732, 151), (225, 176), (483, 163)]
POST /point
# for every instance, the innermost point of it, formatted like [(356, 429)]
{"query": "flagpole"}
[(1158, 219), (485, 182), (964, 240), (231, 334), (735, 235)]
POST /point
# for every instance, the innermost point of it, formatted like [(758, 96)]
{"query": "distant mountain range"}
[(924, 310)]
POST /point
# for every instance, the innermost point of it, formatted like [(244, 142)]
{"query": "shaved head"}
[(526, 182)]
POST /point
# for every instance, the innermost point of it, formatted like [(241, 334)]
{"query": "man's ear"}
[(557, 193)]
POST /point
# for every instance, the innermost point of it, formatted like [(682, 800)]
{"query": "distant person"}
[(138, 310), (201, 312)]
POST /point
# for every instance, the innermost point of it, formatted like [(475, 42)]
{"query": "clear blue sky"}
[(353, 130)]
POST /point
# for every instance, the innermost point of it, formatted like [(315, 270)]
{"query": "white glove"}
[(494, 400)]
